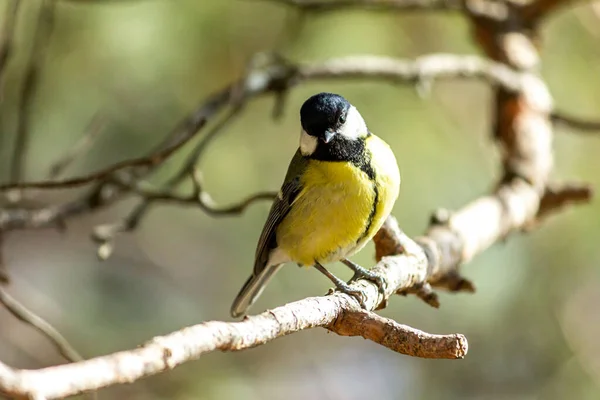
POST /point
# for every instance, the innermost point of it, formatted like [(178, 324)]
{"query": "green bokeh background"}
[(143, 65)]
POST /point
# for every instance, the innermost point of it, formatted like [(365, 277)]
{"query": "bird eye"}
[(342, 119)]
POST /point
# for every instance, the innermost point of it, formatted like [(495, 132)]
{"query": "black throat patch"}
[(341, 149)]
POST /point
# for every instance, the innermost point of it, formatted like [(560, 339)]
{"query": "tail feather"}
[(252, 289)]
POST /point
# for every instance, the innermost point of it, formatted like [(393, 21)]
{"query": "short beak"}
[(328, 135)]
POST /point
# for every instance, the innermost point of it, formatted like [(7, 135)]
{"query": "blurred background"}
[(143, 65)]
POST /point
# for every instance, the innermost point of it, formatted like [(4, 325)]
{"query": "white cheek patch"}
[(308, 144), (355, 125)]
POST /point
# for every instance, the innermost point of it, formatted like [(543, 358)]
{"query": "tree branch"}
[(30, 318), (489, 10), (267, 74), (79, 148), (6, 40), (279, 76), (524, 131), (375, 5), (337, 312), (537, 10), (581, 124), (403, 264), (41, 37)]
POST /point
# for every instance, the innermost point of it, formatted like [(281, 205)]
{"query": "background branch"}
[(489, 10), (6, 39), (30, 318), (280, 75), (581, 124), (42, 34), (523, 114)]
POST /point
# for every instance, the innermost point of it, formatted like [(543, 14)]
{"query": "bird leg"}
[(360, 272), (342, 286)]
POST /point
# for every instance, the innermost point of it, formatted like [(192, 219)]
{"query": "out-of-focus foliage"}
[(533, 323)]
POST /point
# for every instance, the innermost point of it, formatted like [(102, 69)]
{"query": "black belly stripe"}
[(372, 213)]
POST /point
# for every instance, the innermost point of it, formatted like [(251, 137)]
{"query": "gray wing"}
[(281, 206)]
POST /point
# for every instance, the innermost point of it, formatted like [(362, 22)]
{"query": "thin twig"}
[(3, 273), (281, 75), (41, 38), (489, 10), (79, 149), (106, 234), (151, 161), (6, 40), (205, 202), (181, 135), (374, 5), (535, 11), (29, 317), (581, 124)]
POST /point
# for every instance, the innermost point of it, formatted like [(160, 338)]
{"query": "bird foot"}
[(360, 272), (359, 295)]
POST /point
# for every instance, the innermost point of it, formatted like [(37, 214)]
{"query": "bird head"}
[(327, 117)]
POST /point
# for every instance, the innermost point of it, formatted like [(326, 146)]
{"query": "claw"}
[(342, 286), (360, 272), (359, 295)]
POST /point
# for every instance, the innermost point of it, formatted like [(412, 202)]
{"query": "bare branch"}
[(400, 338), (337, 312), (275, 74), (29, 317), (80, 148), (268, 74), (106, 234), (558, 197), (374, 5), (437, 256), (151, 161), (280, 75), (581, 124), (205, 202), (537, 10), (405, 265), (6, 39), (489, 10), (43, 30), (3, 274)]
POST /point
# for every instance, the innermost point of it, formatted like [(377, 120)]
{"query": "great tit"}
[(339, 188)]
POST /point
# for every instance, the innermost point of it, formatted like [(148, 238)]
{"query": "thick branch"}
[(337, 312), (447, 244), (435, 260), (400, 338)]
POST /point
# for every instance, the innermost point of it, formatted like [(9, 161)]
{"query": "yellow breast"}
[(339, 208), (329, 214)]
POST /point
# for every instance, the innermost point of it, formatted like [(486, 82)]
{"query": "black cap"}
[(322, 114)]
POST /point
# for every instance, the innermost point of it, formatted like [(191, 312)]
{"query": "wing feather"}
[(290, 191)]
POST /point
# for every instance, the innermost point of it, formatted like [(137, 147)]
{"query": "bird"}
[(340, 186)]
